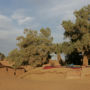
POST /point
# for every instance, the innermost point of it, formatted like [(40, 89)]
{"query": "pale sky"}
[(15, 15)]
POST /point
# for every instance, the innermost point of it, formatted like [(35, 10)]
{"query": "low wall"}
[(56, 73), (12, 72), (85, 73)]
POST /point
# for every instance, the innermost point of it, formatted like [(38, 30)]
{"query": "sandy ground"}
[(14, 84), (9, 82), (41, 82)]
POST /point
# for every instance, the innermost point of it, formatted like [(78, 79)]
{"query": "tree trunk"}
[(85, 60), (58, 58)]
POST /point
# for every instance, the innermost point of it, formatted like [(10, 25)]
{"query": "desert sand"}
[(17, 84), (10, 82)]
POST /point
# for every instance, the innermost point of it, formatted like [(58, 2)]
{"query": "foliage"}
[(34, 48), (2, 56), (78, 32)]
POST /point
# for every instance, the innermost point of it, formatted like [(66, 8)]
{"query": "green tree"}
[(79, 33), (57, 48), (15, 57), (2, 56), (34, 47)]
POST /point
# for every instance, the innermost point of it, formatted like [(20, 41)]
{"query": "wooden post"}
[(7, 69), (58, 57), (15, 72)]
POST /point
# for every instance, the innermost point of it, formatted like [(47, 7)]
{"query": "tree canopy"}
[(2, 56), (34, 47), (78, 32)]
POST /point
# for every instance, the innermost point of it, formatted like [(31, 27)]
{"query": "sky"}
[(16, 15)]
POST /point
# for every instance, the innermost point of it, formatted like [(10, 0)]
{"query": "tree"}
[(57, 48), (34, 47), (2, 56), (79, 33), (15, 57)]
